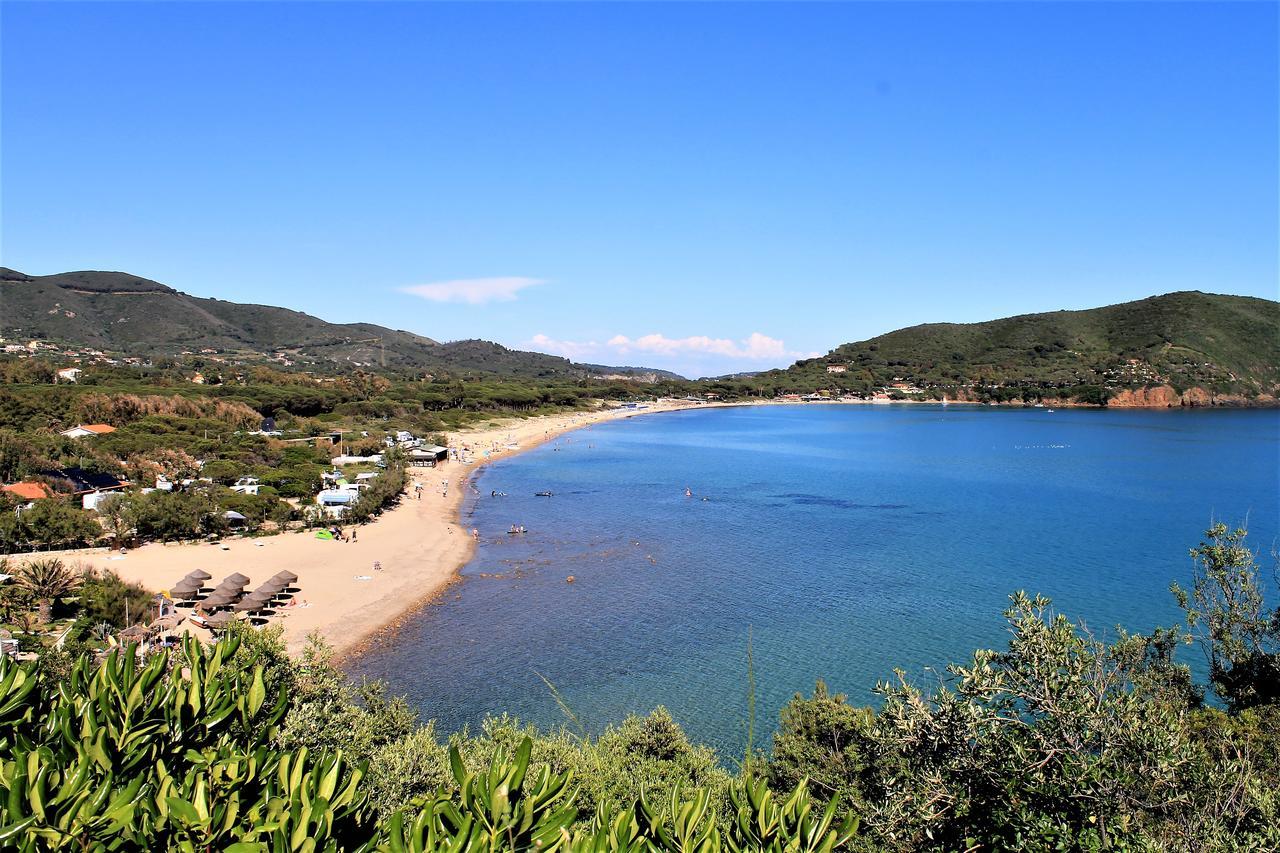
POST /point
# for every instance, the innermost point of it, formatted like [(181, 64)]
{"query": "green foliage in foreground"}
[(179, 755), (1059, 742)]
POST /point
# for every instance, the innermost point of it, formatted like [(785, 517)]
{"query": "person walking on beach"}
[(353, 534)]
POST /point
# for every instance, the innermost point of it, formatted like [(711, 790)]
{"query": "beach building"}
[(374, 459), (83, 430), (334, 502), (428, 455)]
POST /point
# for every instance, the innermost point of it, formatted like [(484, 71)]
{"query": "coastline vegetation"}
[(1057, 742)]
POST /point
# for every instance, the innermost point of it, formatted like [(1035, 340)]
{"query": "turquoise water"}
[(848, 540)]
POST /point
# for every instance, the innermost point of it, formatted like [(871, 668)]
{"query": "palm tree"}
[(46, 580)]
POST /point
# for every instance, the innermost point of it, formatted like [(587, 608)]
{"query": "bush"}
[(176, 515), (49, 523), (106, 597)]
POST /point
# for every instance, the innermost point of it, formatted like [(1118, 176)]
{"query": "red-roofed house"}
[(88, 429), (29, 490)]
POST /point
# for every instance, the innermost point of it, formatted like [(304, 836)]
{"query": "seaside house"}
[(28, 491), (90, 486), (69, 374), (83, 430), (836, 368)]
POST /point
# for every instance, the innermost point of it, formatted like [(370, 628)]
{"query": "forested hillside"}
[(1224, 345), (119, 312)]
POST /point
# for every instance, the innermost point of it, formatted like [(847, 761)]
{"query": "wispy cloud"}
[(692, 355), (473, 291), (573, 350), (756, 347)]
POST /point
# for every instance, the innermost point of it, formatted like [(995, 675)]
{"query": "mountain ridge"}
[(1219, 343), (81, 307)]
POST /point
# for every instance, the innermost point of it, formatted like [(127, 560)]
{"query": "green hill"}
[(119, 312), (1223, 345)]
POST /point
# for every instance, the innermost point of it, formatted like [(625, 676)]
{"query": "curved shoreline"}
[(419, 546)]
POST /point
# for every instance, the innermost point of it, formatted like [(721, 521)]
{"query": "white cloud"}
[(756, 347), (473, 291), (573, 350)]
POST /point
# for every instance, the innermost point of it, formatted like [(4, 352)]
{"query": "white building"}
[(88, 429), (70, 374), (246, 486), (334, 502)]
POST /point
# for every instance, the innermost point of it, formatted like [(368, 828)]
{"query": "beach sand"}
[(420, 546)]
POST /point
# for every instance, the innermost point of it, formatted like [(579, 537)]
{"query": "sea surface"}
[(837, 542)]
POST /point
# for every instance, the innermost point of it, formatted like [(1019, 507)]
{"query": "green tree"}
[(176, 515), (116, 513), (47, 579), (821, 741), (106, 597), (1226, 613), (48, 523)]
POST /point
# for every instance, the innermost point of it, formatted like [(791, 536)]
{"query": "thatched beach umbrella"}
[(235, 578), (199, 575), (251, 603), (286, 576), (135, 633), (220, 620), (185, 588), (213, 602), (271, 588), (166, 623)]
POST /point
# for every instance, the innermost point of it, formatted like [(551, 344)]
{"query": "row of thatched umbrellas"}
[(229, 595)]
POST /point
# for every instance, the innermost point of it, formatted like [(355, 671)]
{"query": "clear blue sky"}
[(676, 178)]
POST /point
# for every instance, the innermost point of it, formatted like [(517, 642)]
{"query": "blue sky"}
[(702, 187)]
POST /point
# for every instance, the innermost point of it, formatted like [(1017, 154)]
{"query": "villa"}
[(88, 429)]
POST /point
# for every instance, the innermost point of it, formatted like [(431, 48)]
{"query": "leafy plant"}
[(47, 579)]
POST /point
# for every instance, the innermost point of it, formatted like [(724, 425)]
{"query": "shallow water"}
[(847, 540)]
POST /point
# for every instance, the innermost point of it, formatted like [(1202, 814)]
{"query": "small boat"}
[(1050, 411), (542, 494)]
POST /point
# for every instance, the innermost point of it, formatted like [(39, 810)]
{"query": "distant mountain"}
[(119, 312), (642, 374), (1221, 345)]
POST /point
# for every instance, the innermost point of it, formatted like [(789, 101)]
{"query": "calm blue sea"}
[(847, 541)]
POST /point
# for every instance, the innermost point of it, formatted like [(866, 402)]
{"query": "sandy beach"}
[(419, 544)]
